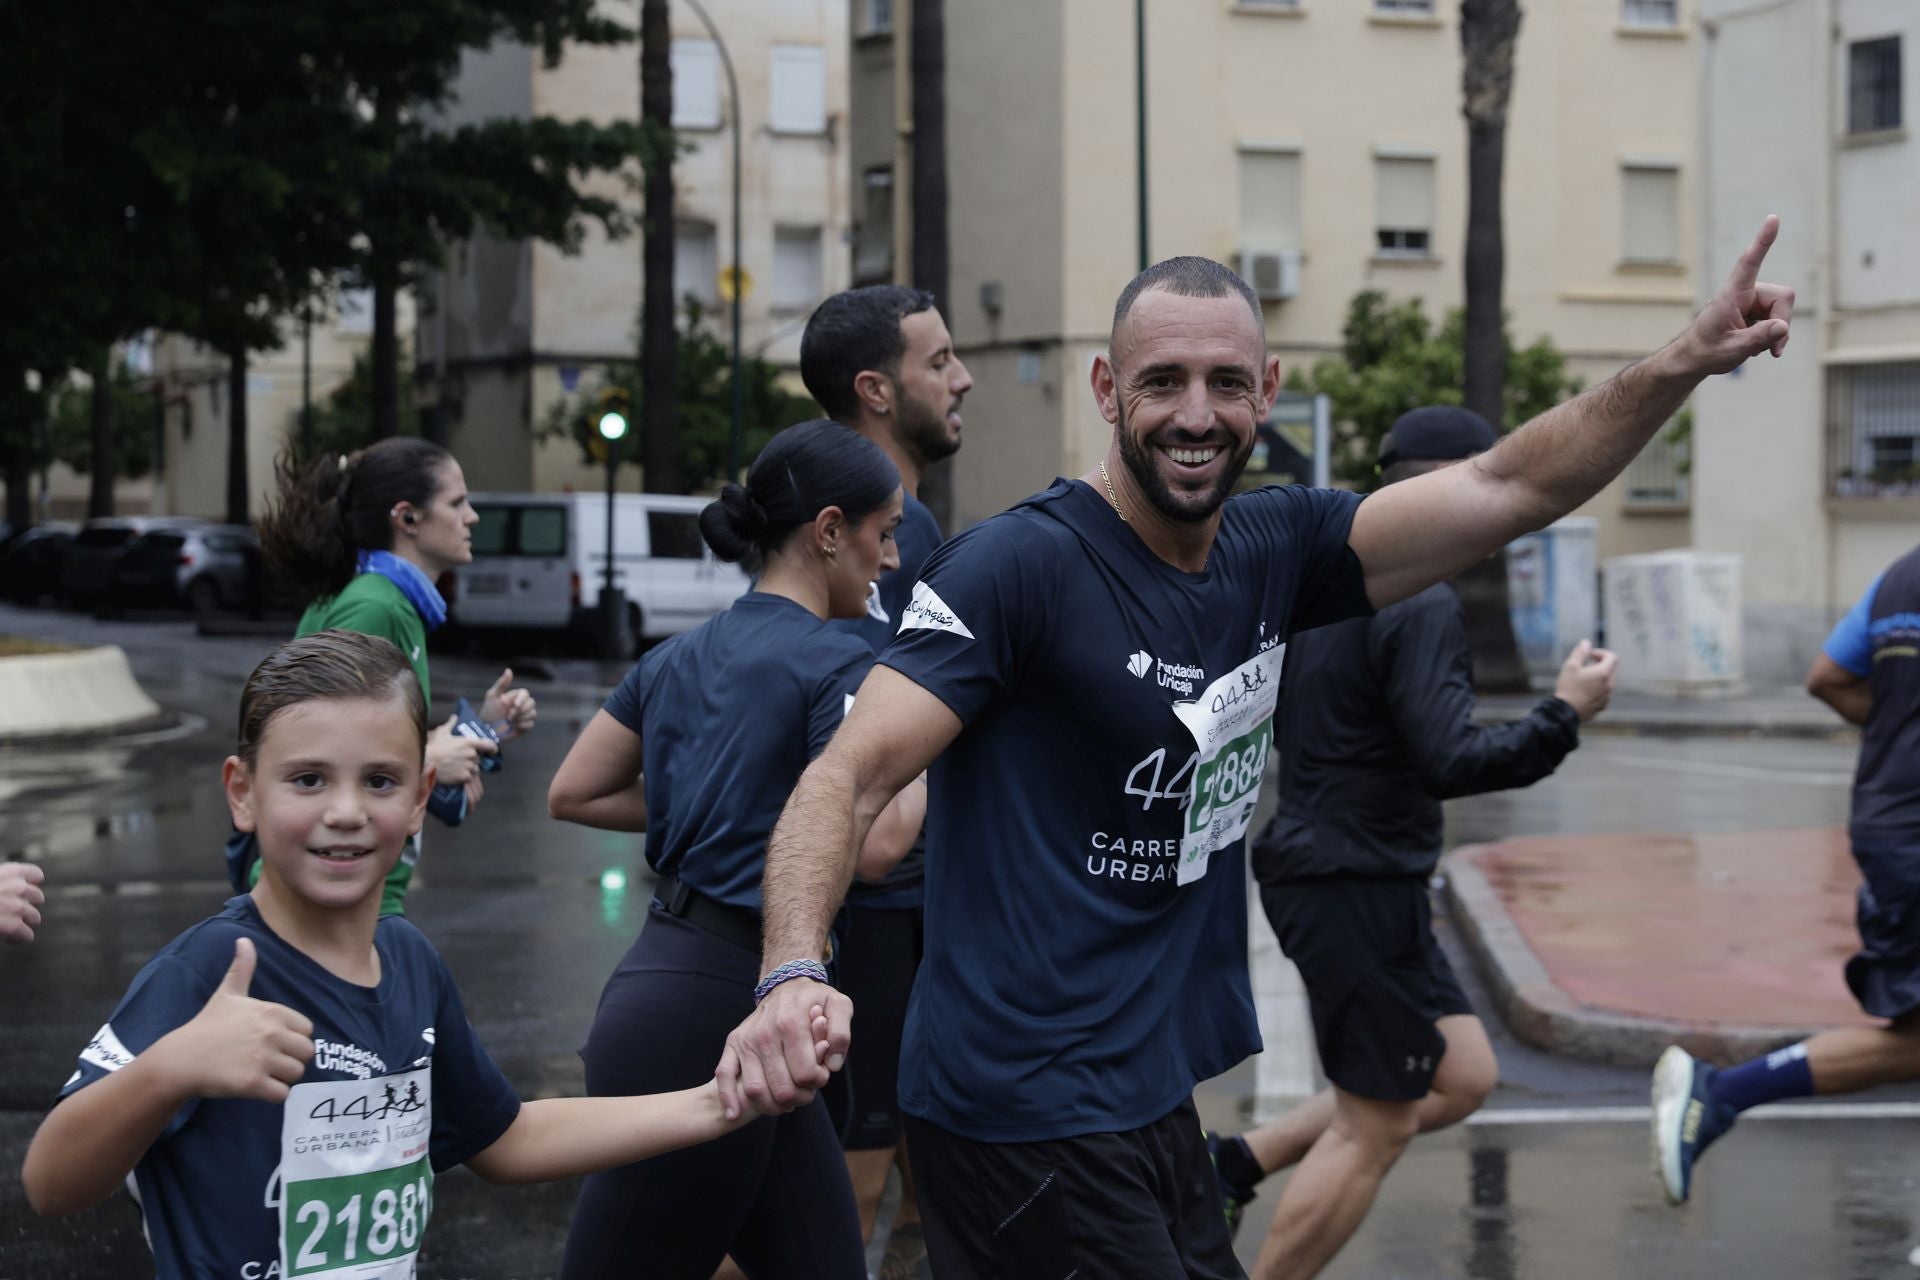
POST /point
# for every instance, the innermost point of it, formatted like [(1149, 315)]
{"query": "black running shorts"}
[(1885, 974), (1141, 1203), (879, 955), (1376, 979)]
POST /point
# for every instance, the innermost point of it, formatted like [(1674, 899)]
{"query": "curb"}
[(82, 691), (1544, 1016)]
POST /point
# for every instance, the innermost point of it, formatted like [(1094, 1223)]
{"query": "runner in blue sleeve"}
[(1869, 672), (1093, 676), (699, 748), (881, 361), (280, 1085)]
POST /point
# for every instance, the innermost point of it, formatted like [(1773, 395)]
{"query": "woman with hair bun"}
[(363, 538), (699, 747)]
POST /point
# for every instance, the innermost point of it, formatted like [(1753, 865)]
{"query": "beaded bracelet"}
[(786, 973)]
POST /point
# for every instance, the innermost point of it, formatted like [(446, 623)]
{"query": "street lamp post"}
[(735, 440), (613, 605)]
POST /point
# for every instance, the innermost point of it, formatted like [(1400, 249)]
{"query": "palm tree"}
[(931, 246), (659, 404), (1489, 31)]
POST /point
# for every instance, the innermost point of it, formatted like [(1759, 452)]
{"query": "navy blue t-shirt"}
[(728, 715), (1879, 641), (398, 1089), (1086, 936), (916, 538)]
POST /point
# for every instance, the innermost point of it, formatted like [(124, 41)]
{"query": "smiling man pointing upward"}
[(1092, 676)]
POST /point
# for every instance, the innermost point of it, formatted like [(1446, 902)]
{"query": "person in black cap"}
[(1378, 717)]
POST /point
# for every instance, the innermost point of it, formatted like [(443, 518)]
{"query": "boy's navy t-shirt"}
[(728, 715), (1086, 920), (1879, 641), (340, 1175), (916, 538)]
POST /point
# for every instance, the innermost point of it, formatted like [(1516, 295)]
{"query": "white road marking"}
[(1716, 769), (1644, 1114)]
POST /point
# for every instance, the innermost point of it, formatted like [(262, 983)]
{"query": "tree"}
[(1392, 361), (659, 412), (703, 389), (130, 416), (932, 244), (1489, 30), (418, 185), (343, 422)]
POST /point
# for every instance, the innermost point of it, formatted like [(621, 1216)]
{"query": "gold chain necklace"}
[(1112, 497)]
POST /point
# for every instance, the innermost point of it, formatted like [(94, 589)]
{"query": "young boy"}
[(283, 1081)]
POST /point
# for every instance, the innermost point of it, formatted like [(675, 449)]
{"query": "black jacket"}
[(1375, 728)]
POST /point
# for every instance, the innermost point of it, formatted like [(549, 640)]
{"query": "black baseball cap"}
[(1436, 432)]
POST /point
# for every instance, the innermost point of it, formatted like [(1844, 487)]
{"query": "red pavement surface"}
[(1748, 927)]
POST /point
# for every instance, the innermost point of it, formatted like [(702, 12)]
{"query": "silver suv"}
[(206, 568)]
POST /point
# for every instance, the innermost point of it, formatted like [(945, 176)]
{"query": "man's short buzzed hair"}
[(1190, 278), (853, 331)]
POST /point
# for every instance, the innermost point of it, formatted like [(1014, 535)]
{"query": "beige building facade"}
[(1810, 466), (1318, 146), (511, 327)]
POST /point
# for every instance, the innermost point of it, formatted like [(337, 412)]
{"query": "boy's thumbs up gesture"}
[(239, 1047)]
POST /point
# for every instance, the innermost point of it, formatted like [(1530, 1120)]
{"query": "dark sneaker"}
[(1686, 1119), (1233, 1197)]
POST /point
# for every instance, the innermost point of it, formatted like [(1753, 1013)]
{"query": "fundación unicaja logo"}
[(1140, 663)]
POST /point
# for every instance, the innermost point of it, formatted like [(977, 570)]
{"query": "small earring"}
[(831, 549)]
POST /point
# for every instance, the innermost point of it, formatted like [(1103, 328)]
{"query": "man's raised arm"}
[(800, 1031), (1412, 534)]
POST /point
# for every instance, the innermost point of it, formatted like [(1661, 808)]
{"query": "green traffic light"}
[(613, 424)]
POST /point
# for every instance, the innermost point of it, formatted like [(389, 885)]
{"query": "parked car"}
[(539, 560), (206, 568), (30, 565)]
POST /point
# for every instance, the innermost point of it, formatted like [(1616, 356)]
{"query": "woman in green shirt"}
[(364, 538)]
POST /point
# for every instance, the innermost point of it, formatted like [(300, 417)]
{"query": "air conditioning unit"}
[(1275, 277)]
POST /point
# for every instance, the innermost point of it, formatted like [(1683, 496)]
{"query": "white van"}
[(539, 560)]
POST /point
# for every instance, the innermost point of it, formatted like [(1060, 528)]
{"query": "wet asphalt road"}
[(130, 834)]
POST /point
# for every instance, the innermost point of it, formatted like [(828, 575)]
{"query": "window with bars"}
[(879, 15), (1873, 85), (1658, 476), (1650, 13), (1873, 429)]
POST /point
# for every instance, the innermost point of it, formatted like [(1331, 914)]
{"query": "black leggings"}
[(774, 1194)]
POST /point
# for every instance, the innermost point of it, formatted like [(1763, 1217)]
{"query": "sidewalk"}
[(1611, 947)]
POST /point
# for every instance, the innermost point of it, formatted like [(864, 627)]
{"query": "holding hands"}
[(785, 1050), (20, 900)]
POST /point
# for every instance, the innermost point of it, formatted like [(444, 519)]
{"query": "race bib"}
[(1232, 724), (356, 1181)]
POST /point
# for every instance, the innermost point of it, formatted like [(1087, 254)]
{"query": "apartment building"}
[(1810, 466), (1317, 144), (511, 327)]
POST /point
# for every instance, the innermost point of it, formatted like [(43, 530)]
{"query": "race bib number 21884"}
[(357, 1182), (1232, 724)]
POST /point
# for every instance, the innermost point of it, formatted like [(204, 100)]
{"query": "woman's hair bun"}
[(733, 523)]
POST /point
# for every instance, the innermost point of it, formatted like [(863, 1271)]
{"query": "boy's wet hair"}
[(327, 666)]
